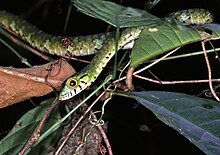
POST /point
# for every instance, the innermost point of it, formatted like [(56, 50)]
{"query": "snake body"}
[(56, 45), (193, 16), (88, 75), (84, 45)]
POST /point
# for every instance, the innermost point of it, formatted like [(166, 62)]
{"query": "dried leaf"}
[(17, 85)]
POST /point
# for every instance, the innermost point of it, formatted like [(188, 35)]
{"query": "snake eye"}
[(72, 83)]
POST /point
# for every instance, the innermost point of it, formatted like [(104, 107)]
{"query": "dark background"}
[(124, 116)]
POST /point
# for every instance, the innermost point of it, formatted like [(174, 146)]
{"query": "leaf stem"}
[(23, 60)]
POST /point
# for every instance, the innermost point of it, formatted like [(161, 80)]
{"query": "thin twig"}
[(216, 53), (188, 54), (150, 65), (153, 75), (36, 134), (167, 82), (103, 135), (77, 123), (128, 80), (175, 82), (209, 72), (8, 33), (155, 62), (67, 16), (23, 60), (34, 7)]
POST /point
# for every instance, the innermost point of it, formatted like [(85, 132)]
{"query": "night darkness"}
[(124, 116)]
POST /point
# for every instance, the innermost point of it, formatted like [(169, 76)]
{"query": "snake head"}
[(73, 86)]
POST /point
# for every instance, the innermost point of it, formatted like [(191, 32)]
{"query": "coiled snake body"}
[(105, 44)]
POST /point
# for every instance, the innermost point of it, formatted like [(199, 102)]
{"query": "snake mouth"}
[(65, 94)]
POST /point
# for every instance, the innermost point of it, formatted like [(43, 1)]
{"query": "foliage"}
[(197, 119)]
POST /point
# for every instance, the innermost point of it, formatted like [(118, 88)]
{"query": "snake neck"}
[(89, 74)]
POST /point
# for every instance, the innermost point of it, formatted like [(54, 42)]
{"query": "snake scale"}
[(52, 44), (104, 43)]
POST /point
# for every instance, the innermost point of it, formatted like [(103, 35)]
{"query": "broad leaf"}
[(24, 128), (115, 14), (155, 41), (19, 84), (195, 118)]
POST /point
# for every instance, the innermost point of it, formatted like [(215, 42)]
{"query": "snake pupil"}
[(72, 82)]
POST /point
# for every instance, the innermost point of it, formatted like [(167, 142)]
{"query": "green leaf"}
[(115, 14), (195, 118), (155, 41), (25, 127)]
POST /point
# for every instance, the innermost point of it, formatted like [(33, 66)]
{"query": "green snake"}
[(56, 45), (105, 44), (193, 16)]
